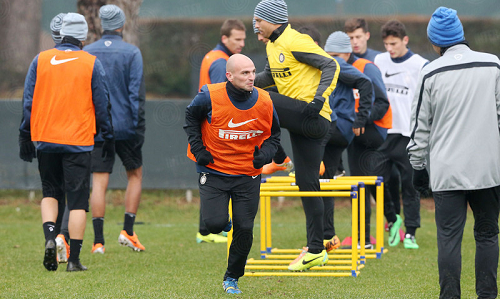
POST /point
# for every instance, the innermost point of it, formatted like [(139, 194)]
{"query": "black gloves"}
[(204, 157), (313, 108), (27, 149), (108, 149), (259, 158), (421, 181)]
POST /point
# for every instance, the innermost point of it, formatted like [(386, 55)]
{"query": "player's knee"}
[(216, 224), (485, 231), (242, 240)]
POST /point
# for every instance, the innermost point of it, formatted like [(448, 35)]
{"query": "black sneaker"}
[(50, 256), (75, 266)]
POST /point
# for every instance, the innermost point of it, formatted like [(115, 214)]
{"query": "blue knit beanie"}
[(445, 28), (55, 27), (272, 11), (112, 17)]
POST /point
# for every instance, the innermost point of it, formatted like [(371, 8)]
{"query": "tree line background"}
[(173, 48)]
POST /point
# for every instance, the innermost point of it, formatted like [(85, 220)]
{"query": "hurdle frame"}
[(377, 181), (265, 216)]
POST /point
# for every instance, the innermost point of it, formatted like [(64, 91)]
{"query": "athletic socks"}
[(98, 223), (49, 230), (411, 230), (128, 224), (75, 246), (315, 251)]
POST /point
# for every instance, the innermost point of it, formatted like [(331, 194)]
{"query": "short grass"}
[(175, 266)]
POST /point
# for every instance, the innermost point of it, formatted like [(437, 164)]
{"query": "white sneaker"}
[(367, 246), (339, 174), (62, 249)]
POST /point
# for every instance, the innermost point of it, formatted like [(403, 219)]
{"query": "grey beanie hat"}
[(74, 25), (55, 27), (272, 11), (112, 17), (338, 42)]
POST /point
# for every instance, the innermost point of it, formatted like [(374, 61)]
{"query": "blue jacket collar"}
[(403, 58), (112, 37), (67, 46), (220, 46)]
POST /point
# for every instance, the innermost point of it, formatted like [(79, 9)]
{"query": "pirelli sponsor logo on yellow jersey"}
[(281, 72)]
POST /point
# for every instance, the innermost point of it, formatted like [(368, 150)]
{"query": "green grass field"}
[(175, 266)]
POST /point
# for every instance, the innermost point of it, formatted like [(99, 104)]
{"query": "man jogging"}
[(232, 131)]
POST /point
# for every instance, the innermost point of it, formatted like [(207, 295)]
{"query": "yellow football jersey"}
[(296, 79)]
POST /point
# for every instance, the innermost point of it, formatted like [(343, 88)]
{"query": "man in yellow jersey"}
[(305, 76)]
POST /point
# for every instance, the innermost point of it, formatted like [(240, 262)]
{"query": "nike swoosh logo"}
[(254, 176), (307, 262), (235, 125), (53, 61), (390, 75)]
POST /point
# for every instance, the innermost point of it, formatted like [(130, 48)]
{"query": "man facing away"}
[(455, 119), (232, 131), (62, 118), (123, 65), (61, 227)]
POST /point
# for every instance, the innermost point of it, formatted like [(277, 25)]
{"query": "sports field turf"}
[(175, 266)]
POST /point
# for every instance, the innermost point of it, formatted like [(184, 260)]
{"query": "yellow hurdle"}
[(349, 263), (328, 185), (310, 274), (230, 233), (343, 183), (251, 261), (350, 260)]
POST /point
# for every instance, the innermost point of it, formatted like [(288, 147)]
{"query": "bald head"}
[(240, 71)]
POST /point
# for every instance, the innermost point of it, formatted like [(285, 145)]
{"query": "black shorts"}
[(129, 151), (66, 173)]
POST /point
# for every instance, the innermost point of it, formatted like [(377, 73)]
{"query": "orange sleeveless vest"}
[(232, 135), (206, 63), (62, 110), (384, 122)]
